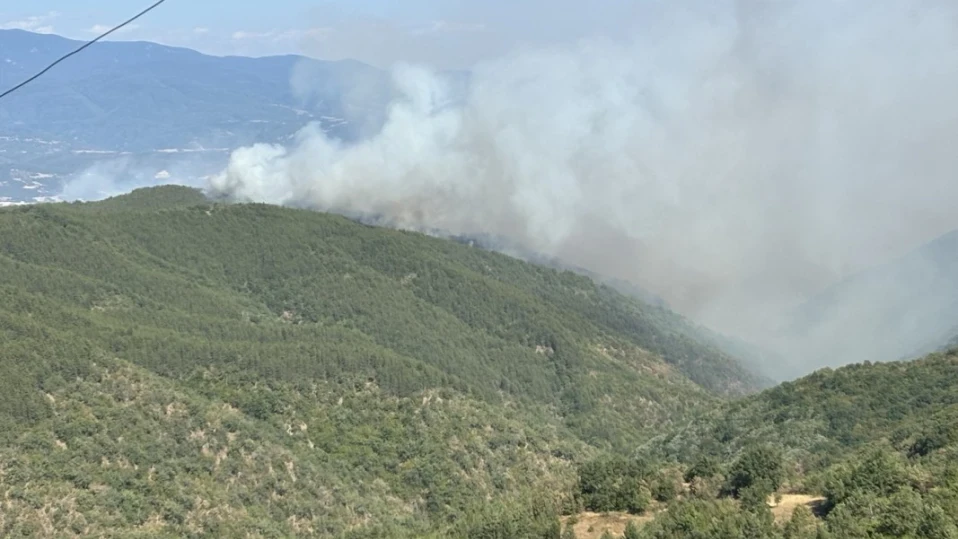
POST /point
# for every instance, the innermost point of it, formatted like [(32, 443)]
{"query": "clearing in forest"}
[(592, 525), (783, 510)]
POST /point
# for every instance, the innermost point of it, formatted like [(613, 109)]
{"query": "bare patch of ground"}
[(593, 525), (783, 510)]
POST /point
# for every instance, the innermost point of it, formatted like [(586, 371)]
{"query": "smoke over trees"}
[(732, 157)]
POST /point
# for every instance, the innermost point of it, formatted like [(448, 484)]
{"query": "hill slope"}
[(872, 447), (825, 415), (173, 366)]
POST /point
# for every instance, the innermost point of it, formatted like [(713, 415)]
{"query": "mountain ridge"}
[(155, 108)]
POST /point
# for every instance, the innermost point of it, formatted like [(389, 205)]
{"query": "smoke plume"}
[(733, 157)]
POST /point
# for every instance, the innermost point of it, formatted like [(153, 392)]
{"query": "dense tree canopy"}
[(185, 367), (170, 367)]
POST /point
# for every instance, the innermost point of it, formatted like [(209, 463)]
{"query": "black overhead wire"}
[(85, 45)]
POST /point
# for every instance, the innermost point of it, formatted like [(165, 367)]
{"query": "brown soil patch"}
[(615, 523), (598, 523), (784, 509)]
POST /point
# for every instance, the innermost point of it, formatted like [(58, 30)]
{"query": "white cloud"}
[(453, 26), (243, 35), (297, 33), (199, 30), (102, 28), (274, 41), (37, 23)]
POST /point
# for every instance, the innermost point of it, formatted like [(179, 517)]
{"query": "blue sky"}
[(68, 16), (448, 33)]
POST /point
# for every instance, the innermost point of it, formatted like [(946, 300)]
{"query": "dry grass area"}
[(593, 525), (784, 509)]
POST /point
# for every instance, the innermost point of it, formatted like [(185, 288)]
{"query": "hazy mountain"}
[(160, 108)]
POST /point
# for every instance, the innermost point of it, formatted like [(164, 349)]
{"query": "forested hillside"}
[(829, 412), (174, 367), (870, 449)]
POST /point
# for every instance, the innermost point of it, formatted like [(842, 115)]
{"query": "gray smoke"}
[(732, 157)]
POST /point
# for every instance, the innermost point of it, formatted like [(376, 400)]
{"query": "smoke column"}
[(732, 157)]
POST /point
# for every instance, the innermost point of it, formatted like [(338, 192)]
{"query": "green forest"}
[(172, 366)]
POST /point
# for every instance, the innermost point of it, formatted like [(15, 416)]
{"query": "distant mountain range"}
[(162, 110)]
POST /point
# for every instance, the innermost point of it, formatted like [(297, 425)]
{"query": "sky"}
[(442, 33)]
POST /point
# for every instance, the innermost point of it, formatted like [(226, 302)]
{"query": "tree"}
[(664, 490), (613, 484), (703, 488), (631, 531), (705, 467), (903, 514), (879, 472), (757, 465), (801, 525), (935, 524), (710, 519), (755, 496), (639, 500)]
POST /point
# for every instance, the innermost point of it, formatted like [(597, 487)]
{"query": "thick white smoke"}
[(734, 157)]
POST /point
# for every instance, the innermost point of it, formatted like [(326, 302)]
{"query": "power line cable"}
[(85, 45)]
